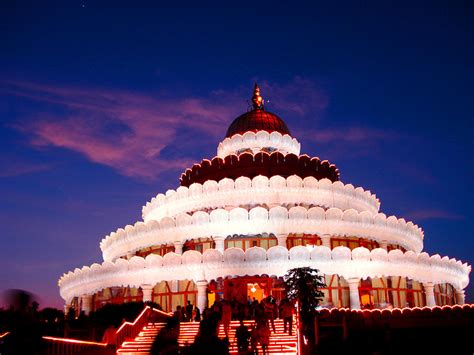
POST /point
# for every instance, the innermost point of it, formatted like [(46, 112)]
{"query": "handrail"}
[(129, 330), (4, 335), (60, 346), (298, 330)]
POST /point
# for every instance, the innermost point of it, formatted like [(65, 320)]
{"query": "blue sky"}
[(102, 106)]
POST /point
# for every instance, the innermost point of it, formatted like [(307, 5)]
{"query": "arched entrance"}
[(246, 288)]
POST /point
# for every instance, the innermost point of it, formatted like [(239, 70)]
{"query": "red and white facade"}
[(238, 222)]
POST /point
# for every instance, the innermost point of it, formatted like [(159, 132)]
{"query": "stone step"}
[(280, 342)]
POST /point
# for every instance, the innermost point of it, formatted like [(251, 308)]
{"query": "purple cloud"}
[(350, 134), (125, 131), (11, 167), (424, 214), (300, 97), (130, 131)]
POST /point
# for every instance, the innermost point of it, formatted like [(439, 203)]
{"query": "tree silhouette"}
[(303, 285)]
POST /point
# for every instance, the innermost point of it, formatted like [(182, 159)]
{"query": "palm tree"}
[(303, 286)]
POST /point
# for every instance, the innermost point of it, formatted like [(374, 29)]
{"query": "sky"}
[(104, 104)]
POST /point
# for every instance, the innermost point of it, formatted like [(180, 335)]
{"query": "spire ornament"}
[(257, 100)]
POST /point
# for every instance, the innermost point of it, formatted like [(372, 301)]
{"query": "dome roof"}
[(257, 119)]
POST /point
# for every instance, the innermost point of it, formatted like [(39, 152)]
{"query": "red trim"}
[(253, 242), (262, 163), (404, 310), (353, 242)]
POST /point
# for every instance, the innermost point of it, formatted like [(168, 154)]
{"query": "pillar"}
[(147, 293), (429, 294), (326, 240), (178, 247), (282, 239), (354, 293), (86, 301), (201, 295), (67, 307), (460, 297), (220, 243), (174, 284), (383, 244)]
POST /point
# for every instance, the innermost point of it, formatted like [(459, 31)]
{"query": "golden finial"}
[(257, 100)]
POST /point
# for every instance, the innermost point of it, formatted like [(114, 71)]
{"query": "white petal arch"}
[(277, 253), (234, 255), (299, 253), (259, 220), (171, 259), (191, 257), (212, 256), (321, 254), (210, 265), (260, 190), (255, 254)]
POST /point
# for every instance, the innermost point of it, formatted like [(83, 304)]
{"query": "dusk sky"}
[(103, 105)]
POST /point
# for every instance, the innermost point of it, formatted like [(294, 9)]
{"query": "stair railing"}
[(64, 346), (129, 330), (299, 342)]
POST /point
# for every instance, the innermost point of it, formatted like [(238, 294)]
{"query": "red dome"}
[(257, 120)]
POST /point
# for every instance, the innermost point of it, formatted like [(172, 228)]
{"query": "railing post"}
[(298, 329), (344, 327), (316, 329)]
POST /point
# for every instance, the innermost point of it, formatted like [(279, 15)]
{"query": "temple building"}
[(239, 221)]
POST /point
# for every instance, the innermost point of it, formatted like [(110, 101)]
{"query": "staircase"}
[(280, 343), (141, 345)]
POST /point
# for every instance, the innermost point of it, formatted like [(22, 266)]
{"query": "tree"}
[(303, 286)]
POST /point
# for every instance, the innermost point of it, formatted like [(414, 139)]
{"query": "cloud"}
[(414, 170), (345, 143), (12, 167), (424, 214), (350, 135), (122, 130), (133, 133), (300, 97)]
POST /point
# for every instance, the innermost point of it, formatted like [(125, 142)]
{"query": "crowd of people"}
[(222, 312), (188, 313)]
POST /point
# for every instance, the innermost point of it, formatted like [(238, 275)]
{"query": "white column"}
[(220, 243), (429, 293), (201, 295), (86, 301), (282, 239), (326, 240), (174, 286), (460, 297), (147, 293), (383, 244), (354, 293), (178, 247)]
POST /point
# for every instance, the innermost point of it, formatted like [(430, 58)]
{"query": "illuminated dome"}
[(257, 119)]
